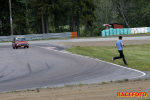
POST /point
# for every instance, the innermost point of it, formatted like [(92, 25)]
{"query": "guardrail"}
[(123, 31), (41, 36)]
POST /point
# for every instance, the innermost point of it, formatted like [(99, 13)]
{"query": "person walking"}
[(119, 45)]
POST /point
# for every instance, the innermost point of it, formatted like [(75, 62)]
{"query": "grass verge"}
[(137, 56)]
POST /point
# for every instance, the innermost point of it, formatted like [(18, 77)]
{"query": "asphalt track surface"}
[(44, 65)]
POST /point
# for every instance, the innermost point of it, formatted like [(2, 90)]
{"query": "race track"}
[(42, 66)]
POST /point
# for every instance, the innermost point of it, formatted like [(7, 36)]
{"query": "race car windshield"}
[(20, 39)]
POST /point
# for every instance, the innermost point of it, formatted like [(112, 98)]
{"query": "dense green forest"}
[(83, 16)]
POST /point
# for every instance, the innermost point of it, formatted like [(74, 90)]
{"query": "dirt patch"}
[(103, 91)]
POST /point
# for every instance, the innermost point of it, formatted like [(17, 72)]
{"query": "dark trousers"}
[(121, 56)]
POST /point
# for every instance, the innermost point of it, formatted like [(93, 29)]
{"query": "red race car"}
[(20, 42)]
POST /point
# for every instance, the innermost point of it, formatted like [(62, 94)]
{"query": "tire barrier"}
[(148, 29), (112, 32)]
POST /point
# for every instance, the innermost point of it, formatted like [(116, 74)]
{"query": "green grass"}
[(80, 84), (137, 56), (70, 85), (5, 41), (104, 82)]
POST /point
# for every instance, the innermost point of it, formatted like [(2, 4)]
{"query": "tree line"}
[(82, 16)]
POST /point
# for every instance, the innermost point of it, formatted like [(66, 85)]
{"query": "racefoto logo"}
[(131, 94)]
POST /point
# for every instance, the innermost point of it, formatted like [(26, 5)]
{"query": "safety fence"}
[(123, 31), (41, 36)]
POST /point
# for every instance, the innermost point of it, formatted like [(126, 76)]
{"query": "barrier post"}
[(140, 30), (103, 33), (129, 30), (121, 31), (107, 32), (118, 31), (114, 32), (111, 31), (125, 31), (148, 29)]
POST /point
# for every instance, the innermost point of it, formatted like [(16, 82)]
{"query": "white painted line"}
[(126, 68), (48, 48), (143, 74)]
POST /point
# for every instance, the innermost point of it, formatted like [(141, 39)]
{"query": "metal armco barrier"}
[(41, 36)]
